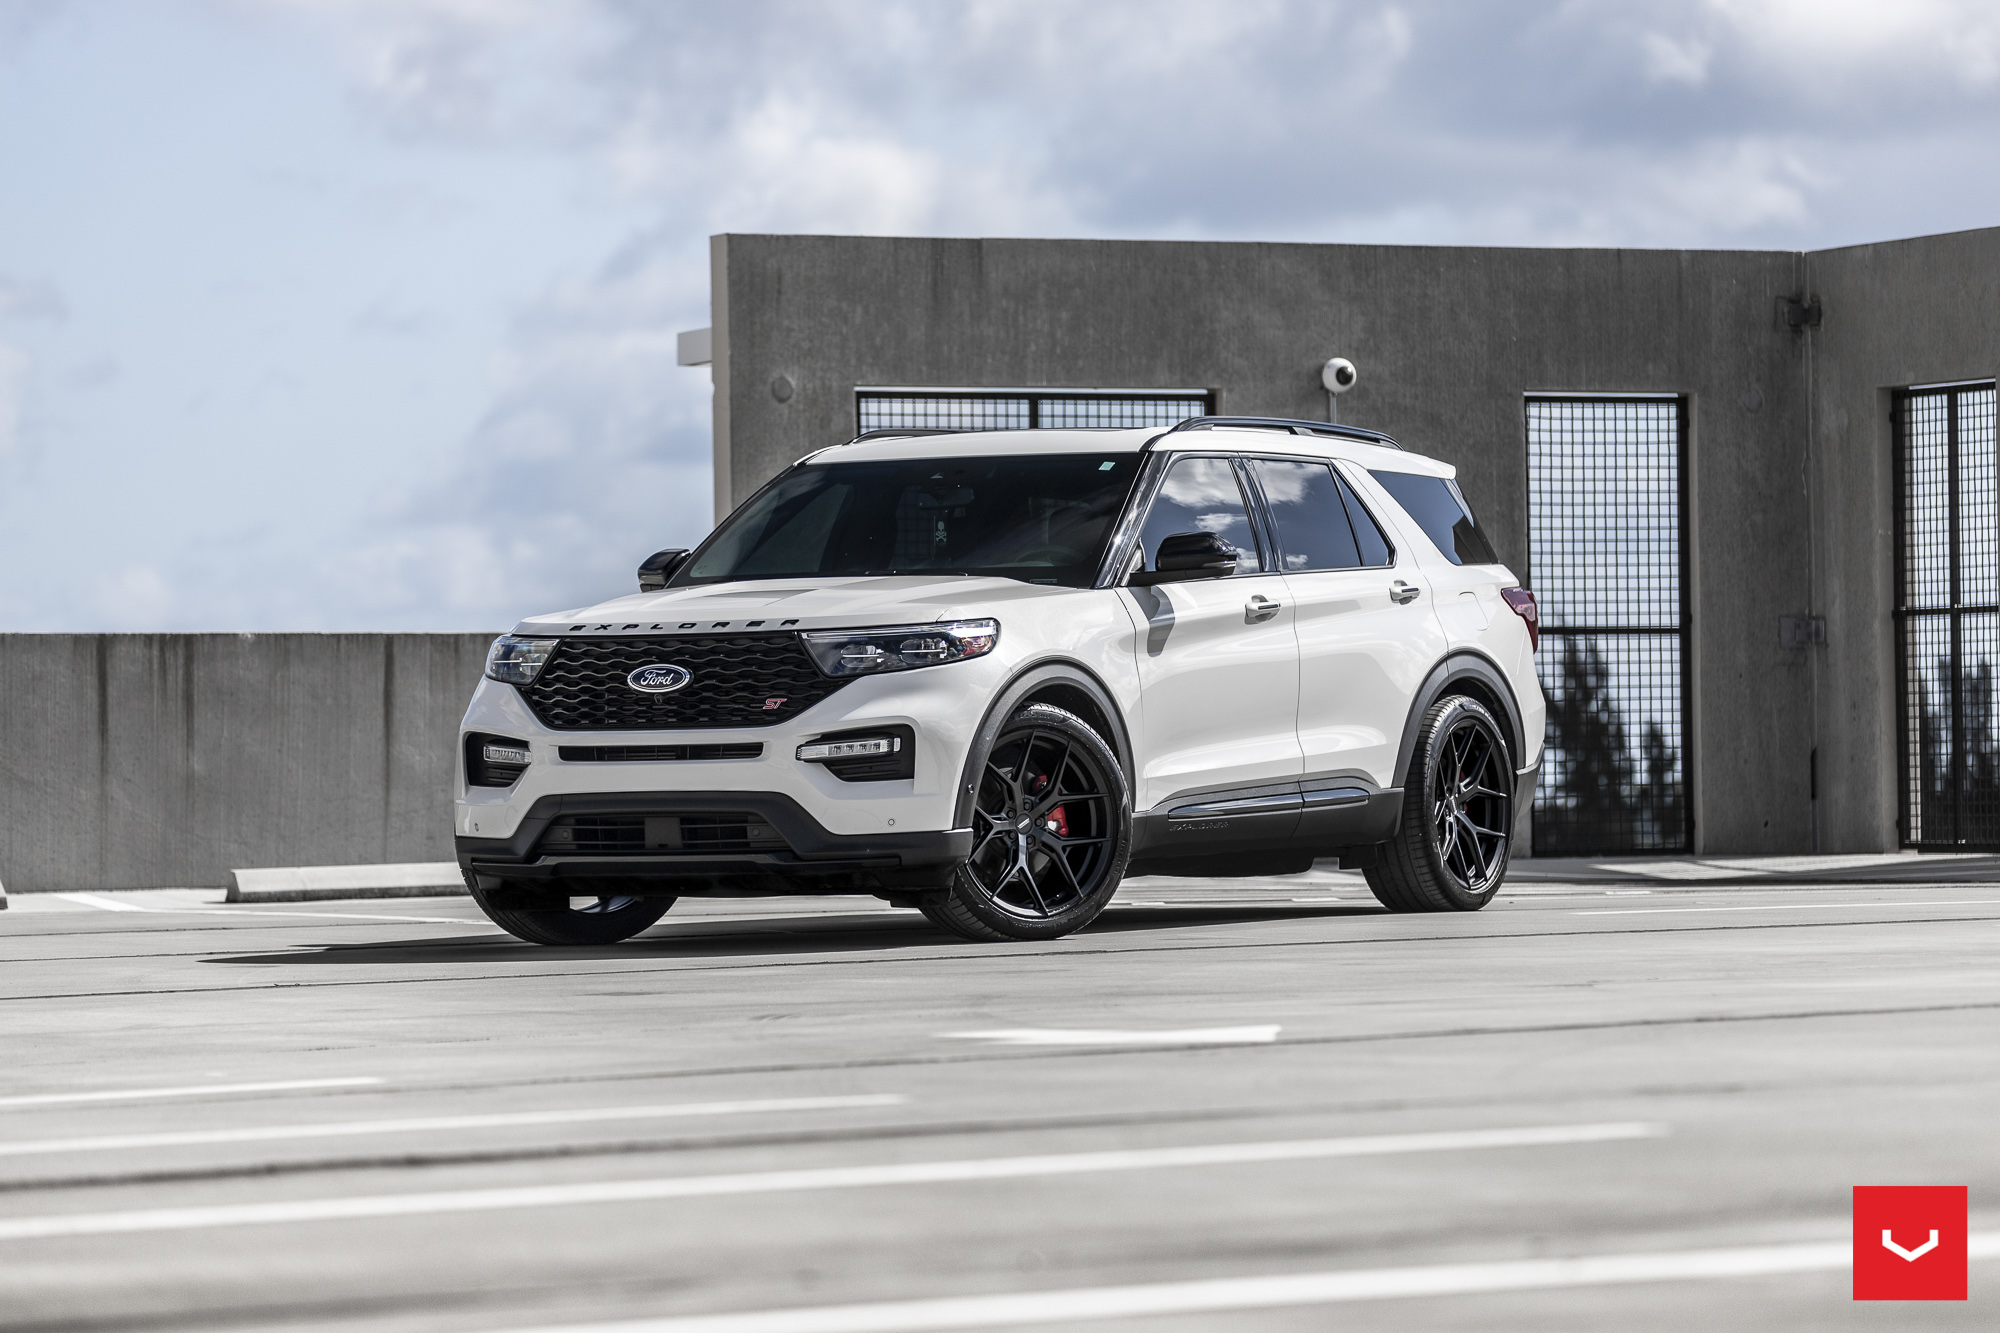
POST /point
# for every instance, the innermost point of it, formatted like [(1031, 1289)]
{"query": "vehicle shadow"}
[(781, 936)]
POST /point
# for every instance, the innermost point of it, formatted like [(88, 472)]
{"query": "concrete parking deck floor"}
[(390, 1116)]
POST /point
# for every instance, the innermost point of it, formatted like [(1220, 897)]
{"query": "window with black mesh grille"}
[(1948, 615), (1024, 409), (1607, 547)]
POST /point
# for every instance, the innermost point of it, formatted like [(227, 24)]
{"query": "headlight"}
[(517, 661), (866, 652)]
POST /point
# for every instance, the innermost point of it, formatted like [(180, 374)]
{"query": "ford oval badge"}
[(659, 678)]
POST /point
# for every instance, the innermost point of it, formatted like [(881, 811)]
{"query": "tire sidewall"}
[(967, 897), (1443, 718)]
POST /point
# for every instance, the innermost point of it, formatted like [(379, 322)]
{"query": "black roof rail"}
[(1294, 426), (902, 432)]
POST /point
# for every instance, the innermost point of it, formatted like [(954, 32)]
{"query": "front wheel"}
[(1051, 831), (1451, 850), (601, 919)]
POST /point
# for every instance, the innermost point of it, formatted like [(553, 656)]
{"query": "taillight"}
[(1524, 606)]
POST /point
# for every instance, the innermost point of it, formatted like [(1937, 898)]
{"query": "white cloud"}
[(1671, 61), (1613, 122)]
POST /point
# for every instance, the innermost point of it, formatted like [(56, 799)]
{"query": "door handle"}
[(1402, 594), (1260, 609)]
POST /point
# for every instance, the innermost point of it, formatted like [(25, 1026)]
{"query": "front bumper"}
[(812, 856), (942, 706)]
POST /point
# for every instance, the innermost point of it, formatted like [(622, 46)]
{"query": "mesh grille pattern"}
[(743, 680), (1605, 549), (1026, 411), (1604, 488), (1948, 533), (966, 413), (1926, 431)]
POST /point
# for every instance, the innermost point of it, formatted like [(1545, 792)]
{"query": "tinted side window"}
[(1201, 495), (1306, 509), (1375, 548), (1441, 511)]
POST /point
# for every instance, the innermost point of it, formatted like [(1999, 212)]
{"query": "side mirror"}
[(1189, 555), (658, 567)]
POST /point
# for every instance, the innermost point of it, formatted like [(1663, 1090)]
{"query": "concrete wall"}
[(1448, 340), (1923, 311), (154, 760)]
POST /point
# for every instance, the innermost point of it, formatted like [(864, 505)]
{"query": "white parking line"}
[(821, 1178), (1244, 1036), (339, 916), (98, 901), (1263, 1293), (108, 904), (1784, 907), (195, 1090), (337, 1129)]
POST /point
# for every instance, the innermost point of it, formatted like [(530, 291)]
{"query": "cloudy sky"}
[(359, 314)]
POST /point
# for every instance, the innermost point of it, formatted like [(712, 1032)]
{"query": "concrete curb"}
[(305, 884)]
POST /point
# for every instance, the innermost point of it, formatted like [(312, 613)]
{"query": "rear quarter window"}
[(1439, 508)]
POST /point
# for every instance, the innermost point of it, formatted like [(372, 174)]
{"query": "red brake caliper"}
[(1058, 822)]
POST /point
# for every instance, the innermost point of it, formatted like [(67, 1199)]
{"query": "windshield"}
[(1038, 518)]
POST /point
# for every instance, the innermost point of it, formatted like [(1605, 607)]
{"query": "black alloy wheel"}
[(1452, 849), (599, 919), (1051, 831)]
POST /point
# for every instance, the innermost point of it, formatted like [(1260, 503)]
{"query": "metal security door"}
[(1947, 613), (1607, 556)]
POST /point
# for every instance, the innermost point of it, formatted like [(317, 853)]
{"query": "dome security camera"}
[(1338, 375)]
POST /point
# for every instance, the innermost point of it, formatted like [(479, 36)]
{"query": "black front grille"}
[(636, 834), (737, 680), (620, 754)]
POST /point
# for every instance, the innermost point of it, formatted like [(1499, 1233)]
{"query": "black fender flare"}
[(1462, 666), (1034, 679)]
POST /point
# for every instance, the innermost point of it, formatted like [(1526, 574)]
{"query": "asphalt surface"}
[(1257, 1105)]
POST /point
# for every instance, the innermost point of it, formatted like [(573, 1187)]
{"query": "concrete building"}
[(1718, 450), (1756, 492)]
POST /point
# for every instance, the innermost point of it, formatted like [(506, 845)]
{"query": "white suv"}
[(990, 674)]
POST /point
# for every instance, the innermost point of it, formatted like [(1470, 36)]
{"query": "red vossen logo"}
[(1909, 1242)]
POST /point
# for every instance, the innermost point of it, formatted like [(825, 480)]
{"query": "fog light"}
[(822, 751), (506, 754)]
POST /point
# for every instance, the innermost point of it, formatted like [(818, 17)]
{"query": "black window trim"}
[(1147, 487), (1270, 520), (1388, 535)]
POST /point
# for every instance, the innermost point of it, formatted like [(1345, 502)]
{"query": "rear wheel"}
[(1451, 851), (1051, 831), (601, 919)]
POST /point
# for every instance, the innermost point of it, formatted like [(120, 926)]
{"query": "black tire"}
[(1052, 829), (605, 919), (1450, 852)]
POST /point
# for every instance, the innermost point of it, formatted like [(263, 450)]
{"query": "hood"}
[(840, 603)]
